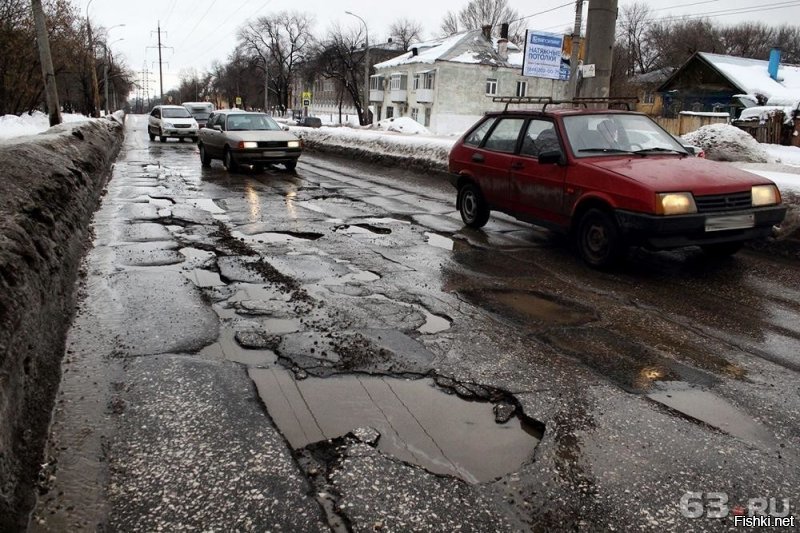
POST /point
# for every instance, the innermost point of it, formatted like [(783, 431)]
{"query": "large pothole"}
[(419, 423)]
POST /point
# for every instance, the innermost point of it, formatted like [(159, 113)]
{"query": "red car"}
[(609, 179)]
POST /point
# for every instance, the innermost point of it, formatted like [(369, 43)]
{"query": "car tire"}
[(598, 239), (205, 159), (161, 136), (722, 249), (151, 135), (258, 167), (229, 162), (290, 165), (473, 206), (194, 140)]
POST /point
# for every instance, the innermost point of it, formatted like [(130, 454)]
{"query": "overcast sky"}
[(201, 31)]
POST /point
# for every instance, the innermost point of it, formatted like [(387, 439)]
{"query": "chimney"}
[(414, 51), (502, 43), (487, 32), (774, 62)]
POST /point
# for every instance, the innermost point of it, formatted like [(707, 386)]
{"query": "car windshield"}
[(616, 133), (251, 122), (177, 112)]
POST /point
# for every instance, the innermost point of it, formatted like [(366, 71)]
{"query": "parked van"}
[(200, 111)]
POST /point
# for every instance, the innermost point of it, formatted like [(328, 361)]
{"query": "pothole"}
[(276, 237), (531, 306), (227, 348), (418, 422), (712, 410)]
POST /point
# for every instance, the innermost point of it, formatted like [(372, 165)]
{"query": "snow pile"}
[(31, 124), (762, 113), (402, 125), (723, 142), (418, 151)]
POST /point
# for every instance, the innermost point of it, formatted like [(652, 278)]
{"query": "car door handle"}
[(518, 165), (478, 158)]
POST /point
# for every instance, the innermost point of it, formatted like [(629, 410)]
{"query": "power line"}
[(172, 7), (734, 11), (687, 5), (542, 12), (223, 25), (198, 24)]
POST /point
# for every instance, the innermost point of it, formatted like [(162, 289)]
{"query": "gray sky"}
[(201, 31)]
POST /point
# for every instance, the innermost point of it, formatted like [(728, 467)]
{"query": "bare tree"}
[(449, 24), (406, 31), (278, 42), (479, 13), (633, 39), (341, 58)]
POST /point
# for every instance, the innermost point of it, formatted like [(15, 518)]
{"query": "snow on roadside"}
[(37, 122), (788, 155), (723, 142), (402, 125)]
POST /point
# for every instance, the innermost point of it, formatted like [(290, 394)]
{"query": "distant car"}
[(174, 121), (608, 180), (310, 122), (245, 138), (200, 111)]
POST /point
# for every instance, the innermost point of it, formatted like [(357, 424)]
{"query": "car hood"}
[(272, 135), (672, 173)]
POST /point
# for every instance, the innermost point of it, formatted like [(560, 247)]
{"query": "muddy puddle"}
[(418, 422), (533, 307), (707, 407)]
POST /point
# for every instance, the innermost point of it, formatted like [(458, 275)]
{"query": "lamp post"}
[(366, 67), (92, 68), (105, 66)]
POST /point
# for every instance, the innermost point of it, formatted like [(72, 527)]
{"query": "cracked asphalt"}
[(330, 349)]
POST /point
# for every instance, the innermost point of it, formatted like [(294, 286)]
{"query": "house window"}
[(415, 114), (491, 86), (429, 80), (399, 82), (649, 98), (427, 117), (376, 83), (522, 88), (389, 111), (416, 82)]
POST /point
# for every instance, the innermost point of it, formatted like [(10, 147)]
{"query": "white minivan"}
[(200, 111)]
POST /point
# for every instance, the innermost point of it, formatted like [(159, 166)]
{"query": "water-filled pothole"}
[(531, 306), (419, 423)]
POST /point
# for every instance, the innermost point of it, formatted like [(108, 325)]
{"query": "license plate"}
[(274, 154), (729, 222)]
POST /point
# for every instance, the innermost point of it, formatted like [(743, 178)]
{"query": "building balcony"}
[(425, 95), (375, 95), (399, 95)]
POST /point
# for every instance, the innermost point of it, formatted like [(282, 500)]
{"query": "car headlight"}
[(293, 144), (765, 195), (243, 145), (168, 125), (675, 203)]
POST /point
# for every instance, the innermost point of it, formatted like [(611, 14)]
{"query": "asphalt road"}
[(331, 349)]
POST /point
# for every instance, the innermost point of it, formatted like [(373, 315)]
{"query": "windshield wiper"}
[(607, 150), (660, 149)]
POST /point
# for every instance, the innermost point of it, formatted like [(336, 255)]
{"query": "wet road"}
[(332, 349)]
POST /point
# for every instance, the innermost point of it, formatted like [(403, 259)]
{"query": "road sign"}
[(238, 100), (306, 101), (588, 71), (306, 96)]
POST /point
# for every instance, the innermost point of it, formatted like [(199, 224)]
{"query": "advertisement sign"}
[(543, 57)]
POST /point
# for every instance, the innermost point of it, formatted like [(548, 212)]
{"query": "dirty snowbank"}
[(49, 189), (31, 124), (417, 151), (723, 142)]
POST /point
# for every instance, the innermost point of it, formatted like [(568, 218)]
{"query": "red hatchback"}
[(609, 179)]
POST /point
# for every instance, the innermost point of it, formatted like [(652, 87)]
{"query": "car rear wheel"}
[(722, 249), (205, 160), (598, 239), (229, 162), (290, 165), (472, 206)]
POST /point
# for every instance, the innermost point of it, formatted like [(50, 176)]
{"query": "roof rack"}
[(547, 100)]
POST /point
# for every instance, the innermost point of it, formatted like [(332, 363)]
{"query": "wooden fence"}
[(686, 123), (770, 131)]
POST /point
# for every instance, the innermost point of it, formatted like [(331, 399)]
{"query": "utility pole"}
[(51, 90), (160, 71), (600, 32), (576, 46)]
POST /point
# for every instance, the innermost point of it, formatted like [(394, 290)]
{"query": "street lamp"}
[(95, 91), (105, 66), (366, 67)]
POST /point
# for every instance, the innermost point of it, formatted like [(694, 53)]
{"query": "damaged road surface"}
[(330, 349)]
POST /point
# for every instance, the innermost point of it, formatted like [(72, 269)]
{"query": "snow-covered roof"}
[(751, 76), (469, 47)]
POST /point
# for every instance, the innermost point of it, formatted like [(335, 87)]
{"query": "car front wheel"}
[(151, 135), (598, 239), (723, 249), (205, 159), (229, 162), (290, 165), (472, 206), (161, 136)]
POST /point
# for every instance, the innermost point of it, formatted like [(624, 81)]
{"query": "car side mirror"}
[(217, 127), (286, 128), (551, 157)]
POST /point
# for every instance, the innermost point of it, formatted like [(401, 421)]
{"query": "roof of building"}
[(466, 47), (751, 76), (656, 76)]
